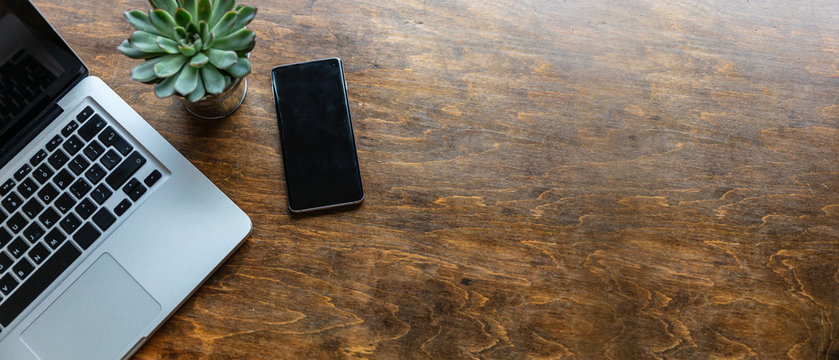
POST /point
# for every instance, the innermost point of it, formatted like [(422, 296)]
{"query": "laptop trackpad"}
[(95, 318)]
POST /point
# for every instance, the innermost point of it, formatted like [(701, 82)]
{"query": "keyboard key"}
[(93, 150), (39, 253), (122, 207), (32, 208), (7, 284), (85, 208), (101, 194), (22, 172), (80, 188), (137, 192), (64, 203), (5, 262), (78, 164), (23, 268), (49, 217), (125, 170), (40, 280), (12, 202), (3, 217), (130, 185), (33, 232), (27, 188), (86, 236), (84, 114), (43, 173), (47, 194), (5, 237), (38, 157), (73, 145), (54, 238), (56, 140), (63, 179), (16, 223), (67, 130), (93, 127), (58, 159), (104, 219), (110, 137), (70, 223), (95, 173), (6, 187), (110, 159), (134, 189), (18, 247), (152, 178)]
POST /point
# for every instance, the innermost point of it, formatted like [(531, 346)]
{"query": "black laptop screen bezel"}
[(40, 113)]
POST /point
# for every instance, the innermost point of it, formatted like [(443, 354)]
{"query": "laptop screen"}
[(36, 67)]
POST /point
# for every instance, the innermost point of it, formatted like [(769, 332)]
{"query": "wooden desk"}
[(545, 179)]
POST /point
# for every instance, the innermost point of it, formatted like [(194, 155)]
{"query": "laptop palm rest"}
[(100, 315)]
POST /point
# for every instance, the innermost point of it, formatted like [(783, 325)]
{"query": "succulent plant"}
[(192, 47)]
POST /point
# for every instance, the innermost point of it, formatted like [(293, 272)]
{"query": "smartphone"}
[(319, 153)]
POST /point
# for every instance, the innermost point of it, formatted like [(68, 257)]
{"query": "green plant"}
[(192, 47)]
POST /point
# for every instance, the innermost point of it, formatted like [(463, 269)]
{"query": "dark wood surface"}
[(545, 179)]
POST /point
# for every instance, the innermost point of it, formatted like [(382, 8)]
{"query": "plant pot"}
[(219, 105)]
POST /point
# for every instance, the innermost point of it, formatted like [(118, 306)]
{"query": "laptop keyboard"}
[(56, 207)]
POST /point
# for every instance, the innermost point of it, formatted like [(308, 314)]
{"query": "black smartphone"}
[(319, 154)]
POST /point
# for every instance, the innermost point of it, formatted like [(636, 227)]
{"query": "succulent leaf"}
[(213, 79), (166, 87), (180, 33), (187, 80), (247, 49), (241, 68), (187, 50), (221, 59), (203, 30), (204, 10), (163, 22), (224, 25), (220, 7), (169, 66), (192, 28), (199, 92), (144, 41), (228, 80), (182, 17), (191, 6), (198, 60), (133, 52), (236, 41), (209, 43), (145, 71), (167, 5), (246, 14), (140, 21), (168, 45)]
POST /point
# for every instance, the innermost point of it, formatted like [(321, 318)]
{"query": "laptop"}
[(105, 229)]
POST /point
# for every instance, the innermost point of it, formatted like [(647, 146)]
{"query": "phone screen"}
[(319, 155)]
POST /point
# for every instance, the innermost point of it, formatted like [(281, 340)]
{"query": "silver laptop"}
[(105, 229)]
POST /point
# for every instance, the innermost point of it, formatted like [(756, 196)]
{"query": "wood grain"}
[(545, 179)]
